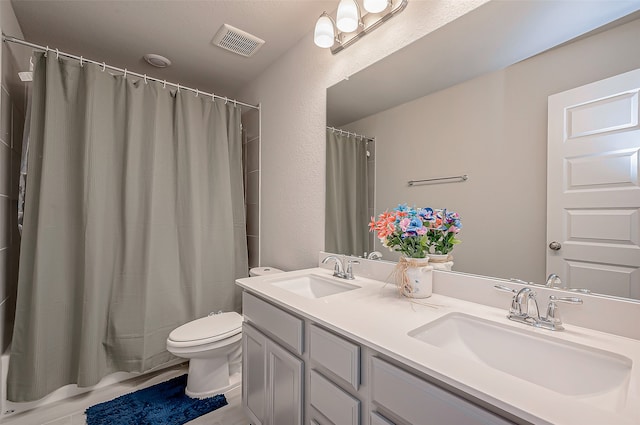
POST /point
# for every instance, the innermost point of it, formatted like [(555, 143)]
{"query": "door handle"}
[(555, 246)]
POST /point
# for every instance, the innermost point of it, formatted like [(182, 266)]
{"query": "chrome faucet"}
[(524, 308), (375, 255), (339, 269), (553, 281)]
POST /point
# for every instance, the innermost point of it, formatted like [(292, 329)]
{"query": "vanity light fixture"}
[(351, 24)]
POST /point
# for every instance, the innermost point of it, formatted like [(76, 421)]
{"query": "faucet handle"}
[(552, 320), (568, 300), (520, 281), (349, 272), (505, 289)]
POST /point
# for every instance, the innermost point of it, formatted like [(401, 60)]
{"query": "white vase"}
[(441, 261), (414, 277)]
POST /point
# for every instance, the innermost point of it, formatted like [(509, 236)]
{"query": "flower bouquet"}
[(442, 234), (416, 232)]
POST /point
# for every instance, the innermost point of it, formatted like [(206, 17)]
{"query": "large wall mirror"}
[(471, 99)]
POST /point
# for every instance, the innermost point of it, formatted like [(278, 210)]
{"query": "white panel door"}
[(593, 192), (284, 386), (254, 375)]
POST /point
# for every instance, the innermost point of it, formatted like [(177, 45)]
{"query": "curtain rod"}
[(341, 131), (124, 71)]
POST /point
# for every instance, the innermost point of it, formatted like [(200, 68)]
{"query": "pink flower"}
[(404, 224)]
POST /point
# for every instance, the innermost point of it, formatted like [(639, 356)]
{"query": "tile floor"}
[(71, 411)]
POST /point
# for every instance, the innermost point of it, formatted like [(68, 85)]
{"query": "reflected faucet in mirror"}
[(375, 255), (553, 281)]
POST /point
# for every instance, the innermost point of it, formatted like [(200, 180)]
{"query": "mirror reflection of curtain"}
[(347, 198), (134, 224)]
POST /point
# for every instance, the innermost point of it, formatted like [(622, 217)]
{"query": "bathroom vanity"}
[(322, 350)]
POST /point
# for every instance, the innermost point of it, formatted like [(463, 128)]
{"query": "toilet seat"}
[(206, 330)]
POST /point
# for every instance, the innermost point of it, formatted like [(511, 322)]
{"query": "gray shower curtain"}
[(133, 225), (346, 215)]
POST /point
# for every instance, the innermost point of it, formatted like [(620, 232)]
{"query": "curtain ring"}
[(46, 51), (81, 65), (178, 87), (226, 99), (145, 78), (104, 66), (125, 73), (164, 84), (197, 92), (57, 54), (213, 97), (235, 103)]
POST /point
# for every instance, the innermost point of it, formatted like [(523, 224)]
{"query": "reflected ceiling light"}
[(351, 25)]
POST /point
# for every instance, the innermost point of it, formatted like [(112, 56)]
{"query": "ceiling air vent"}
[(237, 41)]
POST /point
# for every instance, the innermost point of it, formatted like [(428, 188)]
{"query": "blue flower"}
[(426, 214)]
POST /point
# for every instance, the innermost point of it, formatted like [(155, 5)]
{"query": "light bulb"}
[(375, 6), (348, 17), (324, 34)]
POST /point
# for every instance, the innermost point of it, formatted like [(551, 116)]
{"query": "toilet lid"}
[(213, 328)]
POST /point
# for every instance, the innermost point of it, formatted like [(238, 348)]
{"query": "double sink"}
[(532, 355)]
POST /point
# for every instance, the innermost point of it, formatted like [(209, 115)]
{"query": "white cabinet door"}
[(593, 190), (254, 375), (271, 381), (284, 386)]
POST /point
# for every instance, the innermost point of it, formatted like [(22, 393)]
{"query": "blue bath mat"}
[(161, 404)]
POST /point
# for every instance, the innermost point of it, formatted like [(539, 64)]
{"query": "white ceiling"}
[(120, 32)]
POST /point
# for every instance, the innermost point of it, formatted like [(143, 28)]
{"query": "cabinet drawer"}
[(333, 402), (269, 318), (420, 402), (336, 354), (377, 419)]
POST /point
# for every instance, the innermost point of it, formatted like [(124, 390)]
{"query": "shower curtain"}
[(346, 215), (133, 224)]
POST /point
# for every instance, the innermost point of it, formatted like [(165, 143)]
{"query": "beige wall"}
[(493, 128), (292, 93)]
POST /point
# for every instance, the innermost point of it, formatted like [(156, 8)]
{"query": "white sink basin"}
[(558, 365), (313, 286)]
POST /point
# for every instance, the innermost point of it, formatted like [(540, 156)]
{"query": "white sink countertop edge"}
[(377, 316)]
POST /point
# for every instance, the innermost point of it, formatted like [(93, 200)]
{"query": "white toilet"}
[(213, 345)]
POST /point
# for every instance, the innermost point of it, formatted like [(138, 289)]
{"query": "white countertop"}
[(377, 316)]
